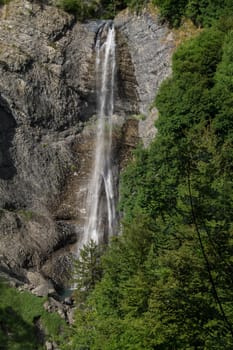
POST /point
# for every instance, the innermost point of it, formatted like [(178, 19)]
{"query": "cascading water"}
[(100, 206)]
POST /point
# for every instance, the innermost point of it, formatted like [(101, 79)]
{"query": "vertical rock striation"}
[(145, 48), (149, 44)]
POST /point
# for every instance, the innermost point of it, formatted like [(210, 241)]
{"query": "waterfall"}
[(100, 205)]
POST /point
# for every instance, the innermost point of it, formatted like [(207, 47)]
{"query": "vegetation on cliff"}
[(201, 12), (167, 280), (3, 2), (99, 8)]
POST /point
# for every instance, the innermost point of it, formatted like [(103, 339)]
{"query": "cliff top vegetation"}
[(201, 12)]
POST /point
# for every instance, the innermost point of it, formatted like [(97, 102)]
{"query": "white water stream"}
[(100, 205)]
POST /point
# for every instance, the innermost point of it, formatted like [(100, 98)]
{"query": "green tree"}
[(172, 10), (87, 270), (167, 280), (81, 9)]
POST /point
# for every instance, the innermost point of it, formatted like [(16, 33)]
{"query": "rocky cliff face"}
[(47, 97), (145, 48)]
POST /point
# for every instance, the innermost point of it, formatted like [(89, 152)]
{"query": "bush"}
[(81, 9), (3, 2), (100, 8)]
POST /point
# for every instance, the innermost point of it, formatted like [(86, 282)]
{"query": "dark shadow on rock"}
[(7, 132), (7, 271)]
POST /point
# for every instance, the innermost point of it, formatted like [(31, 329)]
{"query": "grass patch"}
[(26, 214), (18, 314)]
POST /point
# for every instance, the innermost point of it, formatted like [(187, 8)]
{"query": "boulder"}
[(39, 285)]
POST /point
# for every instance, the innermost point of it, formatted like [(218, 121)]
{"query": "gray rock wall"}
[(39, 118), (47, 95), (150, 45)]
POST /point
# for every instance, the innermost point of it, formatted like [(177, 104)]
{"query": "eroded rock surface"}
[(40, 108), (47, 104), (146, 48), (150, 45)]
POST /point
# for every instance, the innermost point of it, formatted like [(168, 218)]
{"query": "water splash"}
[(101, 210)]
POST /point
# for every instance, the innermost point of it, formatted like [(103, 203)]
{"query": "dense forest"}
[(166, 282)]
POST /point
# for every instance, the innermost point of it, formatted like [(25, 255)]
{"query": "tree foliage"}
[(167, 280), (87, 270), (100, 8), (201, 12)]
